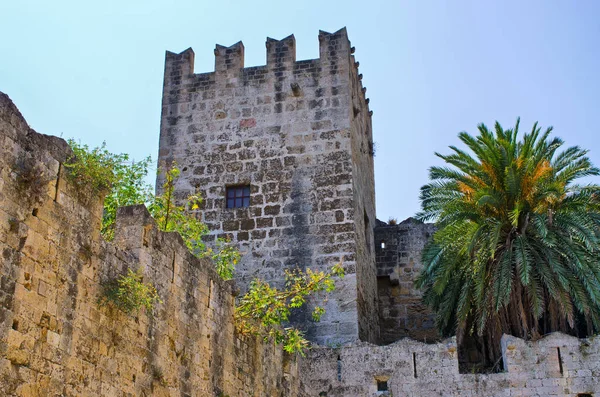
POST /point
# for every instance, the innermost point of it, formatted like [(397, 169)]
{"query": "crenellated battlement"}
[(297, 136), (281, 54), (282, 74), (229, 60), (335, 57)]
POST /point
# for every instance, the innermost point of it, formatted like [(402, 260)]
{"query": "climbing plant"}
[(225, 257), (172, 217), (129, 188), (264, 310)]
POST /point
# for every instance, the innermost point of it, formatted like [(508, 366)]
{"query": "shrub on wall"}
[(121, 178), (130, 294), (124, 179)]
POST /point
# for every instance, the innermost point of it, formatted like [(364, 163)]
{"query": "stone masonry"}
[(298, 133), (55, 340), (398, 256), (558, 365)]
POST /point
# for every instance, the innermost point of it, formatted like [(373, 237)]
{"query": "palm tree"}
[(517, 249)]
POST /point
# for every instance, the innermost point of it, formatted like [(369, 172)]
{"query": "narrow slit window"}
[(415, 365), (560, 362), (238, 196)]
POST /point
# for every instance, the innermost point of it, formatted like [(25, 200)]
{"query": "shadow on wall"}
[(398, 250)]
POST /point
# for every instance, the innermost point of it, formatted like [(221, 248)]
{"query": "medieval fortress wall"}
[(298, 134), (558, 365), (398, 256), (55, 340)]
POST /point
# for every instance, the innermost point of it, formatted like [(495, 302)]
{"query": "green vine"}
[(225, 257), (124, 179), (264, 309), (171, 217)]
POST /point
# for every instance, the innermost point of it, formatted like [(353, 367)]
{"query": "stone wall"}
[(558, 365), (398, 256), (299, 134), (55, 340), (363, 181)]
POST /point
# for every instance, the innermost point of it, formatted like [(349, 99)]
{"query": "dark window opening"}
[(585, 395), (560, 362), (368, 230), (238, 196), (382, 385), (415, 365)]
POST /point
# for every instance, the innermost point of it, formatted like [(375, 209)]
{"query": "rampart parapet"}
[(335, 57), (557, 365)]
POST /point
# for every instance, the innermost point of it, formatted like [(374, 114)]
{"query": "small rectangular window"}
[(382, 385), (238, 196), (383, 388)]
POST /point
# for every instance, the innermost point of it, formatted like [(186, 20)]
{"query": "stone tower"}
[(283, 156)]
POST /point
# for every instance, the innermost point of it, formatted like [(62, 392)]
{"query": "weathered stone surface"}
[(398, 256), (413, 368), (55, 340), (299, 133)]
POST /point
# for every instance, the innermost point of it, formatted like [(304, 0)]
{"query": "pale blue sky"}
[(93, 70)]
